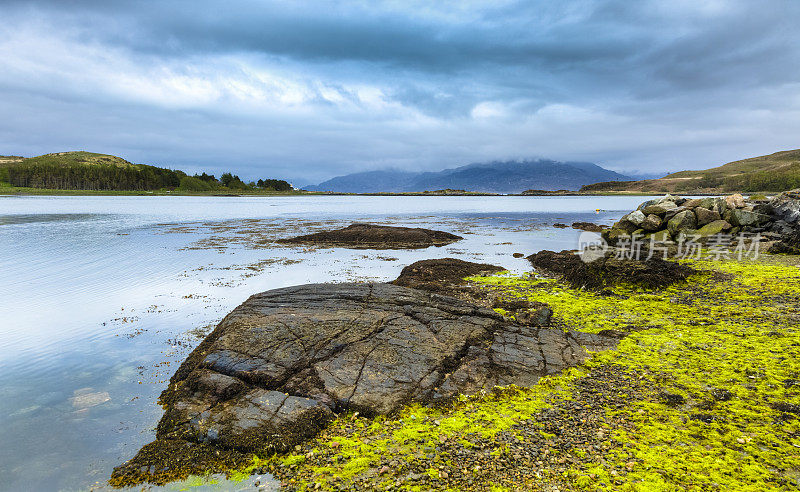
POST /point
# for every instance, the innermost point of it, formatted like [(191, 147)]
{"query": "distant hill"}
[(85, 171), (102, 172), (775, 172), (492, 177)]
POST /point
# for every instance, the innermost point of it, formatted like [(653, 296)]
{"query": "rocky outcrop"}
[(442, 275), (607, 271), (282, 364), (588, 226), (371, 236), (673, 219)]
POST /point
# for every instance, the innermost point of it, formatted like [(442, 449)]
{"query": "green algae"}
[(735, 334), (726, 342)]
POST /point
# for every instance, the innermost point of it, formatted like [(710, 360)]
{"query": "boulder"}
[(682, 221), (659, 208), (734, 201), (636, 217), (370, 236), (283, 363), (613, 235), (441, 275), (646, 204), (716, 227), (786, 206), (717, 204), (652, 223), (705, 216), (694, 202), (669, 214), (625, 225), (607, 271), (789, 244), (741, 217), (588, 226)]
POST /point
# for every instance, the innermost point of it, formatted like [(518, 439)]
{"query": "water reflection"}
[(103, 297)]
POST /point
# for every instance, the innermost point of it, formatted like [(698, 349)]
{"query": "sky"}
[(309, 90)]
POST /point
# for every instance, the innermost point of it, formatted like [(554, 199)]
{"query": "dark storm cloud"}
[(322, 88)]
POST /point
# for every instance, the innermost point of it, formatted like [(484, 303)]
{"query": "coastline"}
[(16, 191)]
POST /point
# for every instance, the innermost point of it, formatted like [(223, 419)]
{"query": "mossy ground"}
[(703, 394)]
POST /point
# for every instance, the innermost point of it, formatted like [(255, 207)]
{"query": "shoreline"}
[(15, 191)]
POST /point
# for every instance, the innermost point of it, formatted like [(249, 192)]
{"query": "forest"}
[(97, 172)]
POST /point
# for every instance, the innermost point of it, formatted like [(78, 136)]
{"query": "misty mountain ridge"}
[(491, 177)]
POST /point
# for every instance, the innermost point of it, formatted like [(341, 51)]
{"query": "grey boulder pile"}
[(673, 218)]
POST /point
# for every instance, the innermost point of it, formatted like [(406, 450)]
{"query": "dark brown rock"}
[(652, 223), (705, 216), (608, 271), (588, 226), (278, 367), (370, 236), (441, 275)]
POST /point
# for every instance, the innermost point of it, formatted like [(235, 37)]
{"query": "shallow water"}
[(102, 297)]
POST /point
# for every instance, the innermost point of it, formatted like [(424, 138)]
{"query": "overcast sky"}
[(306, 91)]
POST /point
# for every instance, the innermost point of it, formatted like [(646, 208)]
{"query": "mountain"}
[(775, 172), (492, 177)]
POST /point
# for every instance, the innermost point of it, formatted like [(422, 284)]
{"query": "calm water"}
[(102, 297)]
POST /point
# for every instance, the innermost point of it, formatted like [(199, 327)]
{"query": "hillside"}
[(775, 172), (493, 177), (102, 172)]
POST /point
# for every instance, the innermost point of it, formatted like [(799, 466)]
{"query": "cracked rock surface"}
[(283, 363)]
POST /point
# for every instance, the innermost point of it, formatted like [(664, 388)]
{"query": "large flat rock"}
[(371, 236), (282, 364)]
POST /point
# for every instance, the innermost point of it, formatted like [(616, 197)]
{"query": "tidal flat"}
[(110, 294), (701, 391)]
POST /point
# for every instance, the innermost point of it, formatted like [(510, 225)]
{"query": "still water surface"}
[(102, 297)]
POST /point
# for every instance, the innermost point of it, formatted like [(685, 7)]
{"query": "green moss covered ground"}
[(702, 394)]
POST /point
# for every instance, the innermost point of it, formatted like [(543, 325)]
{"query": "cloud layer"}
[(307, 90)]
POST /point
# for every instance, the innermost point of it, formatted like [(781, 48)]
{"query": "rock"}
[(717, 204), (734, 201), (609, 271), (781, 227), (713, 228), (278, 367), (669, 214), (659, 236), (625, 225), (441, 275), (659, 208), (613, 235), (789, 245), (787, 206), (651, 223), (370, 236), (588, 226), (694, 202), (705, 216), (86, 398), (745, 218), (645, 204), (682, 221), (636, 217), (668, 198), (518, 255), (560, 225)]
